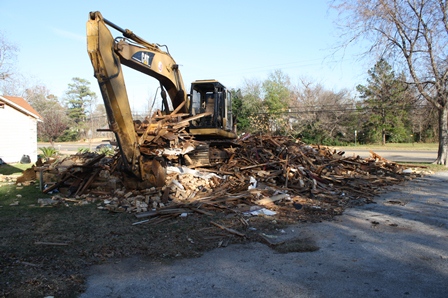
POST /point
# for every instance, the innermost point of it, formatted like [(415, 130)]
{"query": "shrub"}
[(48, 152), (106, 151), (83, 150)]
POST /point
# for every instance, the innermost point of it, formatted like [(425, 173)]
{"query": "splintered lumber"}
[(179, 107), (377, 156), (259, 165), (202, 211), (186, 122), (146, 214), (56, 185), (317, 178), (93, 160), (51, 243), (171, 211), (271, 200), (232, 231), (30, 264), (84, 186), (140, 222)]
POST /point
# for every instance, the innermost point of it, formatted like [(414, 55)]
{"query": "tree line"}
[(385, 109)]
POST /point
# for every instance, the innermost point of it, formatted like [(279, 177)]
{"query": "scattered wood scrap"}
[(232, 231), (51, 243), (277, 173)]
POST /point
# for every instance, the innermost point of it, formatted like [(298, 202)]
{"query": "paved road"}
[(397, 247), (397, 155), (71, 148)]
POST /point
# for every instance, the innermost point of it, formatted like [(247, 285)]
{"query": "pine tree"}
[(385, 99), (79, 101)]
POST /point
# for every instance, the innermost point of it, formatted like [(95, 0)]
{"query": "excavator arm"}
[(107, 54), (136, 53), (208, 97)]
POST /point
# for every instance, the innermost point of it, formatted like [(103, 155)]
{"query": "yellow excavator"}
[(107, 54)]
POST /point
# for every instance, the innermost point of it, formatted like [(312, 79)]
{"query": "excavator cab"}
[(212, 98)]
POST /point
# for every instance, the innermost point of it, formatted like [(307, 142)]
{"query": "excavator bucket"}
[(154, 171)]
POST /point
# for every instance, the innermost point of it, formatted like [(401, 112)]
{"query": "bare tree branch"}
[(415, 34), (7, 57)]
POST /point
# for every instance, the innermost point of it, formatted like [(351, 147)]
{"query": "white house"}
[(18, 129)]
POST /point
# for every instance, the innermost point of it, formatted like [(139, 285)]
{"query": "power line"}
[(279, 66), (360, 109)]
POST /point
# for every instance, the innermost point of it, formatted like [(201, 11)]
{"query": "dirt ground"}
[(46, 251)]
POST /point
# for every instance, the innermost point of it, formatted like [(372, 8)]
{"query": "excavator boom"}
[(109, 74), (107, 54)]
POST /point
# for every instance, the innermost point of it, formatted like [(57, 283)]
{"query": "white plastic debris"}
[(195, 173), (261, 211), (253, 183), (46, 202), (177, 184), (174, 151)]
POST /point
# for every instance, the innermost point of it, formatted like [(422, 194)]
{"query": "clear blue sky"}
[(229, 41)]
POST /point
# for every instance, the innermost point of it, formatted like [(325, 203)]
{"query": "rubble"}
[(279, 174), (8, 178), (263, 176)]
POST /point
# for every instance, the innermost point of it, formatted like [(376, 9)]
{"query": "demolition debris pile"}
[(263, 175)]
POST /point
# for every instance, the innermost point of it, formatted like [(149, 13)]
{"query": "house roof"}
[(22, 105)]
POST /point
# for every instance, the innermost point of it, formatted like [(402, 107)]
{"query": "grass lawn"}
[(13, 169), (10, 192), (429, 166)]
